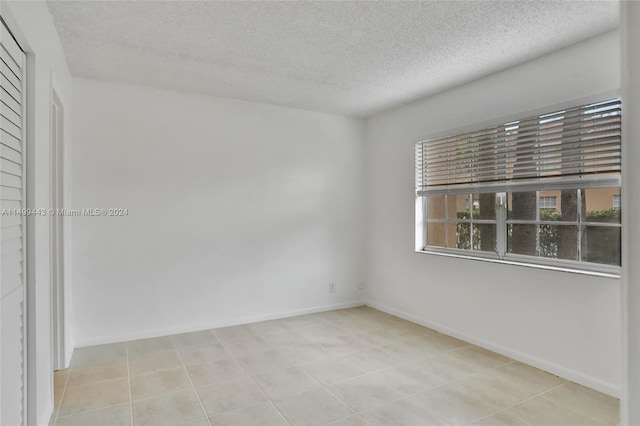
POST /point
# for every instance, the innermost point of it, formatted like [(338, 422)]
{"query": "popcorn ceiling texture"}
[(354, 58)]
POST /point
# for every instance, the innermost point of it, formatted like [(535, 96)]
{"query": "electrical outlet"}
[(361, 285), (332, 287)]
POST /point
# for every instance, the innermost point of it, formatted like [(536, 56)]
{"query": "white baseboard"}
[(558, 370), (215, 324)]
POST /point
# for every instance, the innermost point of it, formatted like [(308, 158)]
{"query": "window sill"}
[(593, 270)]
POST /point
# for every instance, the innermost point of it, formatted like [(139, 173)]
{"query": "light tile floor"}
[(349, 367)]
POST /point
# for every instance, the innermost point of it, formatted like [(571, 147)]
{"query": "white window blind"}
[(568, 149), (12, 250)]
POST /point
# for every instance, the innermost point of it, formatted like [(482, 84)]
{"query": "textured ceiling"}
[(354, 58)]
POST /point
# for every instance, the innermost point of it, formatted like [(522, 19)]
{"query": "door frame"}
[(57, 233)]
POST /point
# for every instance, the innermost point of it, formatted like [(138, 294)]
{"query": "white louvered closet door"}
[(12, 231)]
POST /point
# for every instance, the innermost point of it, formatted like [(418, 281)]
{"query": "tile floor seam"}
[(254, 383), (371, 373), (193, 387), (405, 397), (322, 385), (368, 373), (123, 377), (113, 379), (158, 395), (569, 407), (326, 388), (93, 410), (409, 394), (364, 373), (126, 350), (488, 371), (464, 392), (95, 363), (157, 371), (56, 410), (346, 417), (483, 369), (516, 403), (412, 394), (519, 385), (448, 353)]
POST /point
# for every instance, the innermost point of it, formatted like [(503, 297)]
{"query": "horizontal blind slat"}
[(527, 128), (567, 135), (582, 140)]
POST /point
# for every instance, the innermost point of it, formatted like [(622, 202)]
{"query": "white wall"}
[(565, 323), (33, 27), (237, 211)]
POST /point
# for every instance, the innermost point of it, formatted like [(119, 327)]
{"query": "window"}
[(533, 191), (616, 201), (549, 202)]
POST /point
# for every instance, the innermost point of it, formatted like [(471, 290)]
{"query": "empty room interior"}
[(350, 213)]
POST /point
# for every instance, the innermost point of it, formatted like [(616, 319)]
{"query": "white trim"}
[(67, 221), (34, 406), (217, 324), (513, 259), (57, 240), (567, 373), (630, 79)]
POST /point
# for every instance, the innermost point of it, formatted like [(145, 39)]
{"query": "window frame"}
[(501, 256)]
